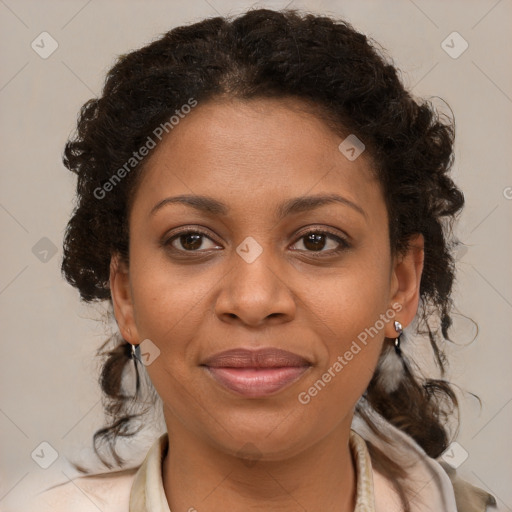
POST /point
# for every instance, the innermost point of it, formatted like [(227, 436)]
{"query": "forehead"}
[(266, 150), (264, 129)]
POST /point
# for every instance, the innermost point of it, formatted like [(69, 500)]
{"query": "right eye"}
[(190, 240)]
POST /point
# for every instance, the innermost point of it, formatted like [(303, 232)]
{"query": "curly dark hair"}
[(346, 79)]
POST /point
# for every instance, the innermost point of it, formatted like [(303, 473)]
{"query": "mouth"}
[(256, 373)]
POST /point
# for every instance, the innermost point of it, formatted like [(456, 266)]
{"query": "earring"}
[(390, 370), (399, 330), (135, 353)]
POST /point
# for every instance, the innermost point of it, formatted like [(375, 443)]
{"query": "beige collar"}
[(148, 495)]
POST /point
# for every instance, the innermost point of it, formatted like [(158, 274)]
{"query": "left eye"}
[(315, 241)]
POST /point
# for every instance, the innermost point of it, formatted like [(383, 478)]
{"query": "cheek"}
[(351, 350), (351, 333), (168, 305), (352, 312), (349, 300)]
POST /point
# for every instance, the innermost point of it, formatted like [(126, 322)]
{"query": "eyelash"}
[(318, 254)]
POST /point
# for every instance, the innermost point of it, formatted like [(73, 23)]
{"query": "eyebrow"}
[(291, 206)]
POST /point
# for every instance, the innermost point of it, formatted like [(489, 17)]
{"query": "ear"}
[(405, 283), (120, 291)]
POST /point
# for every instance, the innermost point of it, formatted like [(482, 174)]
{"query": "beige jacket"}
[(436, 486)]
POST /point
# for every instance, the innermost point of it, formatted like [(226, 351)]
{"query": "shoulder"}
[(431, 484), (108, 492), (469, 498), (428, 487)]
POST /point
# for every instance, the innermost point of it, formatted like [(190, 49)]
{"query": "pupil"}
[(191, 241), (316, 241)]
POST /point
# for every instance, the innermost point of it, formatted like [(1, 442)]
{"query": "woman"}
[(267, 210)]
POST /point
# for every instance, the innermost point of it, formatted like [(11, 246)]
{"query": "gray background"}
[(48, 370)]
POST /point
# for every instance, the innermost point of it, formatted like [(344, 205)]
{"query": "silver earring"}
[(390, 370), (135, 353), (399, 330)]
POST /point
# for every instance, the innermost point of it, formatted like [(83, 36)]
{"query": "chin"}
[(255, 438)]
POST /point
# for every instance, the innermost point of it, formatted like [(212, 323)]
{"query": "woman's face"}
[(250, 275)]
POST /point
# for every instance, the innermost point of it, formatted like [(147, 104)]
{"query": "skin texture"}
[(270, 453)]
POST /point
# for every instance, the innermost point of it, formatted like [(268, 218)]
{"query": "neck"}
[(198, 475)]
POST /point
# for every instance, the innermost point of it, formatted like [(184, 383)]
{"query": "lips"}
[(262, 358), (256, 373)]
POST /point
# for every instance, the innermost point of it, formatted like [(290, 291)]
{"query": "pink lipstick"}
[(256, 373)]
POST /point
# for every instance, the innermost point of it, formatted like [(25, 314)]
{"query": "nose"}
[(255, 293)]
